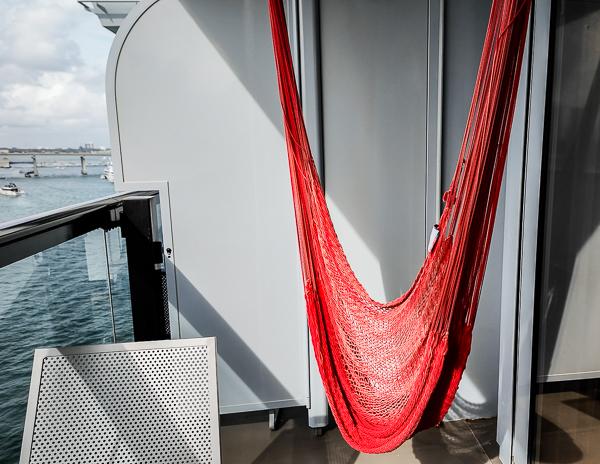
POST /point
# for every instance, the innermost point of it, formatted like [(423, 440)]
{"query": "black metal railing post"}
[(140, 225)]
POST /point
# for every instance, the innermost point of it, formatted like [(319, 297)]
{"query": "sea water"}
[(58, 297), (56, 187)]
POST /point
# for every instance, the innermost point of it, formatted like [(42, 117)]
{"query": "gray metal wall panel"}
[(374, 77)]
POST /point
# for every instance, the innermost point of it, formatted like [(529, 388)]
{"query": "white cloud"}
[(52, 62), (53, 98)]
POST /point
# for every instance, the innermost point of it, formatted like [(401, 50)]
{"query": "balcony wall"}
[(195, 90)]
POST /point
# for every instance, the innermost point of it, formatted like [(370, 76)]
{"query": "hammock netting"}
[(391, 369)]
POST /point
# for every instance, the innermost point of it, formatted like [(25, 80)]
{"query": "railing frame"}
[(136, 213)]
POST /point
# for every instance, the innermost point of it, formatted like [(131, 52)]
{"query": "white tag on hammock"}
[(433, 237)]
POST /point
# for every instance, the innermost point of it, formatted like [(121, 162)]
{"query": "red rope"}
[(390, 369)]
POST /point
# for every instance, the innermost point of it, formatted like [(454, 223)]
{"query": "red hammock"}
[(390, 369)]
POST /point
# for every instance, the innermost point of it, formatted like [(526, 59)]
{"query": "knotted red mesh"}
[(390, 369)]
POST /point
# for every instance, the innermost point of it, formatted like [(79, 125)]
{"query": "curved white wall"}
[(195, 98)]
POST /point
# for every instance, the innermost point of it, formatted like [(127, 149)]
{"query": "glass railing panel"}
[(57, 297), (119, 285)]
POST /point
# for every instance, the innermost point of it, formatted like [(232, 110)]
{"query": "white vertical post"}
[(435, 73), (529, 232), (310, 91), (510, 264)]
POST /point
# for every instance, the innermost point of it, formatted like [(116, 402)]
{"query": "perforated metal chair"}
[(146, 402)]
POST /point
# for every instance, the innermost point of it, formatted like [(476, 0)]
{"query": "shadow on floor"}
[(246, 439), (588, 406), (554, 445), (464, 442)]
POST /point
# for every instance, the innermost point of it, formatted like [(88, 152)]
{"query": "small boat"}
[(11, 190), (108, 173)]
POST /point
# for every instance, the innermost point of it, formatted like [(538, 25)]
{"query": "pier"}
[(7, 159)]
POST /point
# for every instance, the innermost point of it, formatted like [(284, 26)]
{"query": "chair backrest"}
[(144, 402)]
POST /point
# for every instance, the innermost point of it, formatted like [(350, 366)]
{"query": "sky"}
[(53, 57)]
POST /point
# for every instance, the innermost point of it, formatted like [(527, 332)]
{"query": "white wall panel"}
[(197, 106)]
